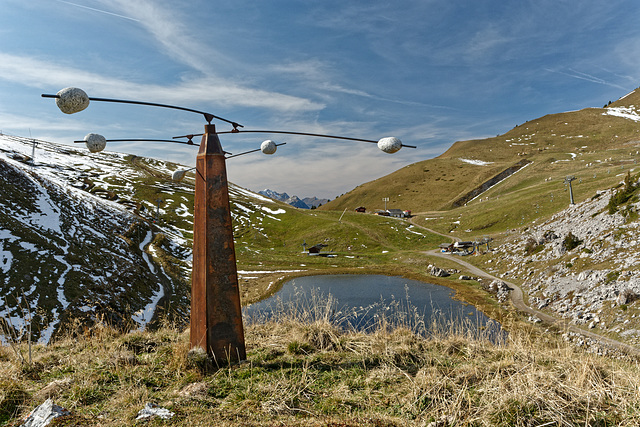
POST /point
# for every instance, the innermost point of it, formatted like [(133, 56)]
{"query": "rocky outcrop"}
[(500, 289), (595, 283), (44, 414), (438, 272)]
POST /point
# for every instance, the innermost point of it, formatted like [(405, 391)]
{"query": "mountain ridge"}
[(583, 136), (295, 201)]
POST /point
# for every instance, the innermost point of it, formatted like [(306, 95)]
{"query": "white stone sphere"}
[(390, 144), (95, 142), (72, 100), (179, 175), (268, 147)]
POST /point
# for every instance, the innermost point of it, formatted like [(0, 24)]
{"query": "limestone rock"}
[(44, 414), (438, 272), (534, 319), (152, 410)]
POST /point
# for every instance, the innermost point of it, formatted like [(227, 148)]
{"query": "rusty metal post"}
[(216, 316)]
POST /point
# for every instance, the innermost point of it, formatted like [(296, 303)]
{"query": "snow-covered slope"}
[(96, 237)]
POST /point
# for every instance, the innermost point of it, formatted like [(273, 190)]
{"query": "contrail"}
[(584, 76), (98, 10)]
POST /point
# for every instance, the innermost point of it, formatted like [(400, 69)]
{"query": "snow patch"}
[(61, 281), (624, 112), (475, 162), (6, 257), (243, 208), (627, 94), (273, 212), (144, 243), (410, 230)]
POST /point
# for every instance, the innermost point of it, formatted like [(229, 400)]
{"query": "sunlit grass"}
[(304, 367)]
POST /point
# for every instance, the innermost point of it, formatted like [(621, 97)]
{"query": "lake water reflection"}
[(361, 301)]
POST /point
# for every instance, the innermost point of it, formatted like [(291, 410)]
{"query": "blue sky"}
[(429, 72)]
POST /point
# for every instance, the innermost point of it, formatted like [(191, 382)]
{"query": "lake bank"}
[(361, 301), (469, 291)]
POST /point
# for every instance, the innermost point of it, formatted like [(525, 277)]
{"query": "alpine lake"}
[(364, 302)]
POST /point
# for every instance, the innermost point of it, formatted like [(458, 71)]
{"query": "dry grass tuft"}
[(313, 372)]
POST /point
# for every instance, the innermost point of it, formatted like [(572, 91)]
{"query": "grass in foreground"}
[(302, 370)]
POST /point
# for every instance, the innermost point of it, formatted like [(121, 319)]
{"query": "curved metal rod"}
[(207, 116), (291, 133), (299, 133), (251, 151), (145, 140), (229, 155)]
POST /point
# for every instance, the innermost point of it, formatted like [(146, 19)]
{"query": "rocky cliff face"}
[(582, 264)]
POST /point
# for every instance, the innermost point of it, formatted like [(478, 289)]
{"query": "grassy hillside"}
[(590, 144), (354, 241), (114, 231)]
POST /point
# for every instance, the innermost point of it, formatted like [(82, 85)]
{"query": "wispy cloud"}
[(39, 124), (173, 34), (486, 43), (43, 74), (628, 52), (318, 76), (631, 79)]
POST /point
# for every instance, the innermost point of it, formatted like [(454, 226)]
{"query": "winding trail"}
[(517, 299), (446, 236)]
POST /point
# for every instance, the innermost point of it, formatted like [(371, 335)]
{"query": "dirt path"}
[(517, 299), (446, 236)]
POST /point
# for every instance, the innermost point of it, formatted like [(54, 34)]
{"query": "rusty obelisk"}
[(216, 316)]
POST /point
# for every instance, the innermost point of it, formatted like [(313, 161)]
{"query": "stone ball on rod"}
[(95, 142), (72, 100), (268, 147), (178, 175), (390, 144)]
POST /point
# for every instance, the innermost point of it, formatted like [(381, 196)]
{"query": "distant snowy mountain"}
[(274, 195), (97, 237), (306, 203), (296, 202)]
